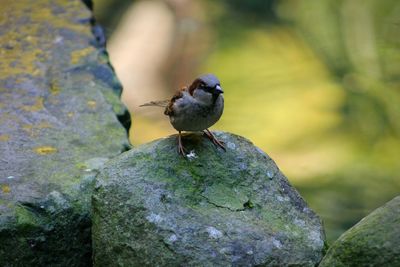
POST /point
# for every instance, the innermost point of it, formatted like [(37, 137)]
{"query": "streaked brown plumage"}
[(195, 108)]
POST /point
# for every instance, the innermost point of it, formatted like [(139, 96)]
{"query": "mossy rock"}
[(58, 103), (153, 207), (374, 241)]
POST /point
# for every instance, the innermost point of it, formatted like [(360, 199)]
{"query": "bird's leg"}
[(181, 149), (214, 140)]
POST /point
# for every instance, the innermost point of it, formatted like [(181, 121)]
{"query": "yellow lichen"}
[(5, 189), (4, 137), (55, 89), (26, 44), (38, 105), (44, 150), (24, 58), (43, 125), (92, 103), (34, 129), (77, 55), (81, 166)]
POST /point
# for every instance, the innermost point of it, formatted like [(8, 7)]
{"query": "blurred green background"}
[(315, 84)]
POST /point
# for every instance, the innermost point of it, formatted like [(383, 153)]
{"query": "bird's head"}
[(206, 86)]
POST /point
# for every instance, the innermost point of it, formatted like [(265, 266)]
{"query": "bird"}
[(195, 108)]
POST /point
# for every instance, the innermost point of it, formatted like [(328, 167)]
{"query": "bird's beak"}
[(218, 90)]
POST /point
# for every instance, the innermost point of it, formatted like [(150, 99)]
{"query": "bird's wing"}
[(161, 103), (169, 109)]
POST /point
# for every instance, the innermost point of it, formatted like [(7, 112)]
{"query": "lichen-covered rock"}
[(58, 103), (374, 241), (152, 207)]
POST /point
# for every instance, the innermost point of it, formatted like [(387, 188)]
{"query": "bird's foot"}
[(181, 149), (214, 140)]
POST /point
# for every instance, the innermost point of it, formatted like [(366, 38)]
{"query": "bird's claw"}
[(214, 140), (219, 143), (182, 150)]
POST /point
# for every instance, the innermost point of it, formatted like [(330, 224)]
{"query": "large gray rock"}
[(374, 241), (152, 207), (58, 99)]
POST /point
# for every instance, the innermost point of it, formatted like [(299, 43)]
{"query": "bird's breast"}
[(192, 116)]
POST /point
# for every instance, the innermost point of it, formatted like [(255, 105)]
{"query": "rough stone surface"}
[(374, 241), (58, 103), (152, 207)]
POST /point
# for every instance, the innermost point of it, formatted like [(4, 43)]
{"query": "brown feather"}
[(194, 85), (168, 110)]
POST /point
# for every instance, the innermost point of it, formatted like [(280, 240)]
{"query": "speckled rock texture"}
[(58, 103), (374, 241), (152, 207)]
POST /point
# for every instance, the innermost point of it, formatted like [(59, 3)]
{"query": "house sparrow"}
[(195, 108)]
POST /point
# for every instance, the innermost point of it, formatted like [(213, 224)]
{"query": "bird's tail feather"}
[(162, 103)]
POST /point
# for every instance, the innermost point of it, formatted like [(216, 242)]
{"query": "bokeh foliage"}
[(359, 42)]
